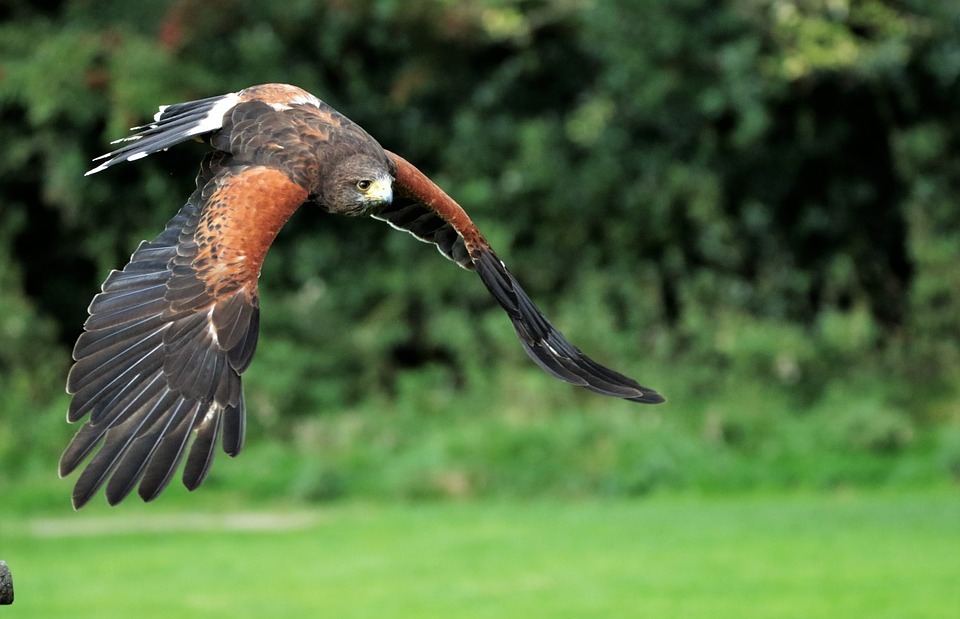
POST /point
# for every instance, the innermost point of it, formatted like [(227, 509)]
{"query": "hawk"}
[(169, 336)]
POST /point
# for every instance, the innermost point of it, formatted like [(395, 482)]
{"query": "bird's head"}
[(358, 185)]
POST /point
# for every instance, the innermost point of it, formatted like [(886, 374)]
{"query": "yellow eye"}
[(364, 185)]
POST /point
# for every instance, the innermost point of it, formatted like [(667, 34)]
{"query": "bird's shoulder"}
[(298, 134)]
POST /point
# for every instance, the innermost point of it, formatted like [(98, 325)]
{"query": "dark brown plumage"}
[(168, 337)]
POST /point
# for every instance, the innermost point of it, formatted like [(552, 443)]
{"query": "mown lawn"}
[(840, 555)]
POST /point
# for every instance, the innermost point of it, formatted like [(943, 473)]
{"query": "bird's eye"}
[(364, 185)]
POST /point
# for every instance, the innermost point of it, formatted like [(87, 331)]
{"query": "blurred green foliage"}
[(749, 205)]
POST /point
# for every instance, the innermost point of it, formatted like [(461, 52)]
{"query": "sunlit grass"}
[(875, 555)]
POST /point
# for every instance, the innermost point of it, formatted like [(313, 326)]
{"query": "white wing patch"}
[(211, 329), (300, 99)]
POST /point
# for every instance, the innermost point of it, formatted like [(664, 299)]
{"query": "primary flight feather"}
[(168, 337)]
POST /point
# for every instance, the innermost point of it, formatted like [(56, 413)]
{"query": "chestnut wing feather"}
[(169, 336), (429, 214)]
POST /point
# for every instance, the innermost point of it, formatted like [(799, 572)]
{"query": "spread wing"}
[(168, 337), (424, 210), (170, 334)]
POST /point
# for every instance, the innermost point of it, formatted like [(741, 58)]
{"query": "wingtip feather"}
[(545, 345)]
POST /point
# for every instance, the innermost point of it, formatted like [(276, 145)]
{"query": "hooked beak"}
[(381, 191)]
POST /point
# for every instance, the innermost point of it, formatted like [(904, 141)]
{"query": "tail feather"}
[(174, 124)]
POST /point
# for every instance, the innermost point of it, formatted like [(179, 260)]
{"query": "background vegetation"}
[(749, 205)]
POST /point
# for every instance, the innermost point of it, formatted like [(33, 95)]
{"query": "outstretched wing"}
[(424, 210), (170, 334)]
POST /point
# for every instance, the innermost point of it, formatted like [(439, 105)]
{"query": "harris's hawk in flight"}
[(168, 337)]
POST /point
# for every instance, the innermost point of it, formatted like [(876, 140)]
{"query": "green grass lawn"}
[(842, 555)]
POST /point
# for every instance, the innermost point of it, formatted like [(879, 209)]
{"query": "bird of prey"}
[(168, 337)]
